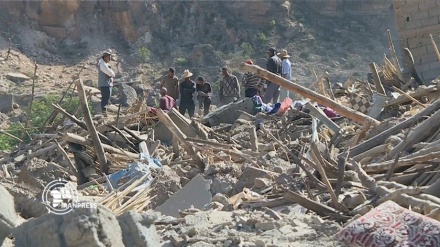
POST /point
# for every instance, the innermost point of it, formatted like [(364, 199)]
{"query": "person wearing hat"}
[(274, 66), (251, 83), (187, 89), (203, 94), (229, 87), (166, 102), (105, 79), (286, 71), (171, 83)]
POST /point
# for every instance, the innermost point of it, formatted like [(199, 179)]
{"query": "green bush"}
[(304, 55), (181, 61), (272, 23), (262, 38), (144, 54), (41, 110), (247, 49)]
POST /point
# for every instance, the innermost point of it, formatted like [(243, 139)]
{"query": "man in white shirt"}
[(105, 80), (286, 72)]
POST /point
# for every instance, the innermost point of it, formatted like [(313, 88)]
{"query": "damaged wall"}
[(415, 20)]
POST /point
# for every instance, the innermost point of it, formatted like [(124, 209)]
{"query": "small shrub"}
[(304, 55), (181, 61), (262, 38), (144, 54), (272, 23), (247, 49)]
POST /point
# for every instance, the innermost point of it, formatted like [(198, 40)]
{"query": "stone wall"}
[(415, 20)]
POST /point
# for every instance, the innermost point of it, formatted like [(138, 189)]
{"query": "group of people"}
[(181, 94), (174, 93)]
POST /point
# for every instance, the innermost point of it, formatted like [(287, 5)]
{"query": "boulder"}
[(139, 229), (127, 95), (6, 103), (82, 227), (8, 217), (38, 173), (17, 77)]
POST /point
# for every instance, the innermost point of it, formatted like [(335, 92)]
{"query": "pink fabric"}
[(390, 225)]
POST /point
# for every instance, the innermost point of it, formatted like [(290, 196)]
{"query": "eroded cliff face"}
[(341, 8), (183, 20)]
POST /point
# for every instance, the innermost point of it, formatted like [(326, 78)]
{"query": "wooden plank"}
[(305, 92), (323, 118), (91, 128), (165, 119), (376, 79), (393, 55), (379, 139)]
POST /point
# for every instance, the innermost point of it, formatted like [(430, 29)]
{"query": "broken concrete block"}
[(82, 227), (139, 229), (195, 193), (38, 173), (265, 226), (249, 174), (8, 218), (229, 113), (261, 183), (17, 77)]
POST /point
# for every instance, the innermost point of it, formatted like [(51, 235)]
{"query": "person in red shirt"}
[(166, 102)]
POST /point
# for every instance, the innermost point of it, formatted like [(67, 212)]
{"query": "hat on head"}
[(107, 52), (249, 62), (272, 49), (186, 74), (163, 90), (283, 53)]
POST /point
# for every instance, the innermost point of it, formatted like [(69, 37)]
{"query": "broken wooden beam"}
[(323, 118), (380, 138), (305, 92), (91, 128), (165, 119), (376, 79)]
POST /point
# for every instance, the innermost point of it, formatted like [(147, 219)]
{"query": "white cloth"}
[(286, 69), (103, 66)]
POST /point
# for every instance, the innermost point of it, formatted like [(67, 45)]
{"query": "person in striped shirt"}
[(251, 83), (229, 87)]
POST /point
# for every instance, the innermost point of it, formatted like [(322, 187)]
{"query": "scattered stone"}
[(38, 173), (139, 229), (265, 226), (261, 183), (127, 95), (8, 217), (6, 103), (17, 77), (195, 194)]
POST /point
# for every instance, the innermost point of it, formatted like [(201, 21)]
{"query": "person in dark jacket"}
[(274, 65), (105, 80), (204, 91), (187, 89)]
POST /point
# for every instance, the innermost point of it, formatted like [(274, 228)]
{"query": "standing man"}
[(166, 102), (274, 66), (187, 88), (105, 80), (171, 83), (286, 72), (251, 83), (203, 95), (229, 87)]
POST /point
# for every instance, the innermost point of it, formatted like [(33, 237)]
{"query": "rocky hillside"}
[(338, 36)]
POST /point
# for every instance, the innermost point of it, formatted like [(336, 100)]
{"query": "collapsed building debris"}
[(243, 175)]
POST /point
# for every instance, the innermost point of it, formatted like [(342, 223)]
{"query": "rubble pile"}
[(299, 176)]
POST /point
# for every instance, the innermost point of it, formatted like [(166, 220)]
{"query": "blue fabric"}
[(275, 109)]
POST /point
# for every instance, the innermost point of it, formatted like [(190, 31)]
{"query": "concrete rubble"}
[(294, 174)]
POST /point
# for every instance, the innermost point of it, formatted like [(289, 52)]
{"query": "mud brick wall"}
[(415, 20)]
